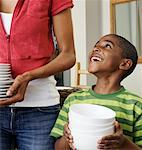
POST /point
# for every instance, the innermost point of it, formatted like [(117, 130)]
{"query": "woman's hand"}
[(113, 141), (17, 90), (68, 136)]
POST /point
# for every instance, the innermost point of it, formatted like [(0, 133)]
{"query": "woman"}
[(26, 43)]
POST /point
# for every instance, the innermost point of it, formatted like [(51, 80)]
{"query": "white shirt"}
[(40, 92), (6, 19)]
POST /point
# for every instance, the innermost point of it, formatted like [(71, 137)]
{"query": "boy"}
[(113, 58)]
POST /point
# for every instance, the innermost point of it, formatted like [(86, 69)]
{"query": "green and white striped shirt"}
[(128, 108)]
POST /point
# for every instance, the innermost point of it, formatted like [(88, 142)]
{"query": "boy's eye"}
[(108, 45)]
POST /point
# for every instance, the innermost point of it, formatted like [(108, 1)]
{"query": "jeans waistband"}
[(16, 109)]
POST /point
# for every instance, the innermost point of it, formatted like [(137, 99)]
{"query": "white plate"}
[(5, 69), (4, 90), (3, 96), (6, 82), (4, 86), (5, 66), (4, 79), (63, 88), (5, 73)]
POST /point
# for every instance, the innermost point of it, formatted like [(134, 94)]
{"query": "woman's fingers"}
[(8, 101), (14, 87), (17, 97)]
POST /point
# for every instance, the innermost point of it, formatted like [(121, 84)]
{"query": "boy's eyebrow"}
[(105, 41), (110, 42), (96, 43)]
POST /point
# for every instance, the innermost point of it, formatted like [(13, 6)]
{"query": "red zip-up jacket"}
[(30, 43)]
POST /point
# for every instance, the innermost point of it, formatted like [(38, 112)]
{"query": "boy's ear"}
[(125, 64)]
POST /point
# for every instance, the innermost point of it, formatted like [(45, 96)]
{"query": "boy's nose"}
[(96, 49)]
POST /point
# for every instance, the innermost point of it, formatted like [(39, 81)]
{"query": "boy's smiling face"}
[(106, 56)]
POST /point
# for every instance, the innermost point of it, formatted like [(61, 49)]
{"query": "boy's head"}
[(113, 54)]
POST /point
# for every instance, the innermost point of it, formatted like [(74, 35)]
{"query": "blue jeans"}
[(27, 128)]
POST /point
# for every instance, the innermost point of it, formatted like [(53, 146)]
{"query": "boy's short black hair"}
[(129, 52)]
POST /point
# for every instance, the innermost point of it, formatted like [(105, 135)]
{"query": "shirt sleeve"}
[(138, 124), (62, 119), (60, 5)]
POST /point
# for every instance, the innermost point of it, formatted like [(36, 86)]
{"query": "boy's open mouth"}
[(96, 59)]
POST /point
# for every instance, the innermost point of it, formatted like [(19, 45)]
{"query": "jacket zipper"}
[(8, 47)]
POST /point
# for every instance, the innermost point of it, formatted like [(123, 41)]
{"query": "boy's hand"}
[(68, 136), (113, 141)]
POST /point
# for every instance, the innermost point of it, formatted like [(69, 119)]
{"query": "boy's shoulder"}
[(131, 95), (79, 92), (76, 97)]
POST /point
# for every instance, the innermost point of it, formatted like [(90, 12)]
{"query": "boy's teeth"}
[(95, 59)]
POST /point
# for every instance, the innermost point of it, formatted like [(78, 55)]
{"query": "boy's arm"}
[(61, 128), (137, 128), (127, 145), (117, 141), (62, 144), (66, 141)]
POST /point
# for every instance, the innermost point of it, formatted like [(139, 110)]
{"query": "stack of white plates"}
[(89, 123), (5, 79)]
